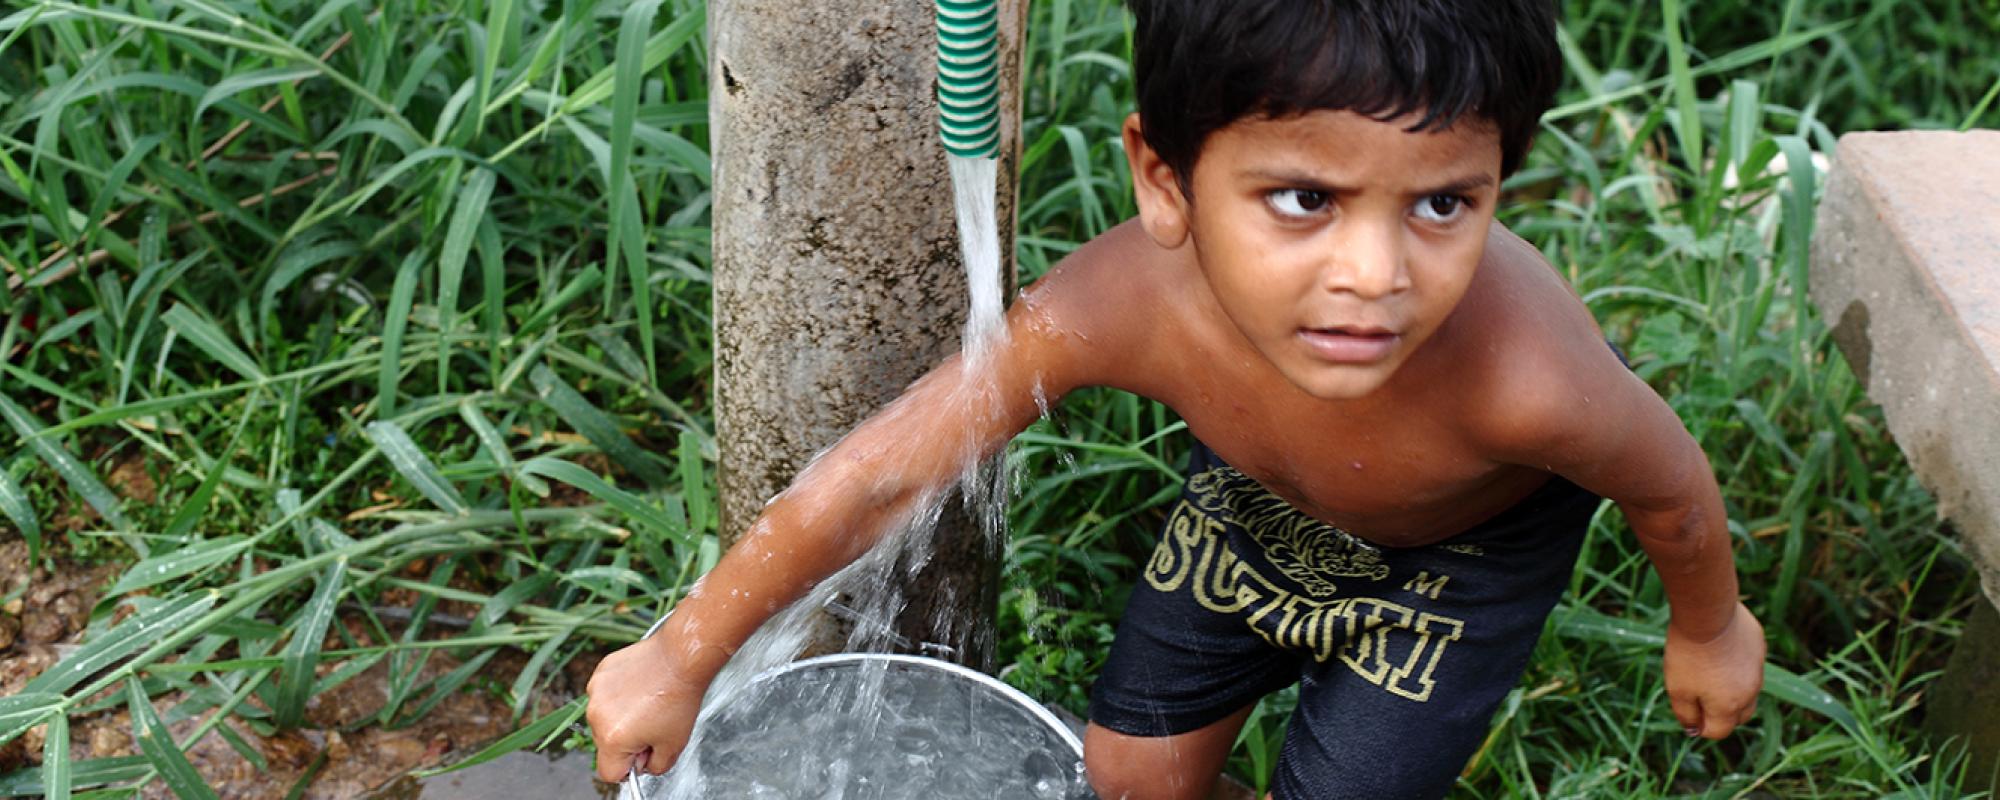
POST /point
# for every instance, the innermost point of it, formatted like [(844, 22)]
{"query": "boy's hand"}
[(1713, 684), (640, 708)]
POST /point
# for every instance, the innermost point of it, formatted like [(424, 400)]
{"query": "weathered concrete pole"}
[(1902, 262), (838, 278)]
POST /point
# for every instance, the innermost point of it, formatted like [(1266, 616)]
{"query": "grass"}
[(361, 288)]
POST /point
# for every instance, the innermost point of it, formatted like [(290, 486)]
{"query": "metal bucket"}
[(871, 726)]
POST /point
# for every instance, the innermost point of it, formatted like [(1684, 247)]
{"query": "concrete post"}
[(838, 279), (1902, 262)]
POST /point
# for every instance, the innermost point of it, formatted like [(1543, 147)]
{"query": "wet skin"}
[(1335, 313)]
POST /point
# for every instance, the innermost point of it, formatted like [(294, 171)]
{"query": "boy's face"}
[(1335, 242)]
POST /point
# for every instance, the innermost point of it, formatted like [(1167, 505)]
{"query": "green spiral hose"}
[(969, 77)]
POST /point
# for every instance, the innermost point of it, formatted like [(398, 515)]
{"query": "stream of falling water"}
[(869, 588)]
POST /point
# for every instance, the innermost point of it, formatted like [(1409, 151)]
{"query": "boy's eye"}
[(1296, 202), (1440, 207)]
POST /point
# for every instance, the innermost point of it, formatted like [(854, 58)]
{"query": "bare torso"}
[(1404, 466)]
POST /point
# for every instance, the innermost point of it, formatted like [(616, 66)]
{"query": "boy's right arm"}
[(1061, 334)]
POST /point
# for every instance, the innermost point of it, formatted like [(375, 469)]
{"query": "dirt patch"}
[(342, 751)]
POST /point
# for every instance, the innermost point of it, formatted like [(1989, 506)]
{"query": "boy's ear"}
[(1163, 209)]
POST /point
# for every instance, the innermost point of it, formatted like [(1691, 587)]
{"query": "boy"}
[(1405, 419)]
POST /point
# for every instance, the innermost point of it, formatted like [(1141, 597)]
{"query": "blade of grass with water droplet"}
[(295, 681), (205, 335), (414, 466), (396, 318), (161, 751), (55, 759), (465, 219), (186, 561), (595, 425), (124, 639), (14, 505), (85, 773), (493, 284), (24, 710), (666, 524), (73, 472), (1792, 688)]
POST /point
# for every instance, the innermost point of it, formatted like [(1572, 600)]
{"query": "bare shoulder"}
[(1097, 317), (1541, 376)]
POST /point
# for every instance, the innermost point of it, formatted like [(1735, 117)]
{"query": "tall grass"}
[(366, 287)]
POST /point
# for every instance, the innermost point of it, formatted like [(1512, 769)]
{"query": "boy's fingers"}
[(613, 764), (1688, 712), (657, 761)]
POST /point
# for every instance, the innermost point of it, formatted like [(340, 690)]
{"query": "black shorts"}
[(1402, 654)]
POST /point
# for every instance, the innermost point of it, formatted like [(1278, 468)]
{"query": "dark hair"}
[(1203, 64)]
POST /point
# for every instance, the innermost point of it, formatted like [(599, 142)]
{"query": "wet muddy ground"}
[(333, 756)]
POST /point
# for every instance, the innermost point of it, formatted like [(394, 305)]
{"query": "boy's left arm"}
[(1607, 431)]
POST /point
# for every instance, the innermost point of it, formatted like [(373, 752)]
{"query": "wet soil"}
[(339, 753)]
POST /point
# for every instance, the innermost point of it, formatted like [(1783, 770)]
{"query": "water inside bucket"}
[(881, 727)]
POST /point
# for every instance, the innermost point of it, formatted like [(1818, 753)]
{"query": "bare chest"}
[(1398, 475)]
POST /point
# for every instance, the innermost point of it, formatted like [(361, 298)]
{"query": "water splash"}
[(868, 594)]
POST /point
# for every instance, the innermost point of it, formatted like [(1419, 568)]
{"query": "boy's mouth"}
[(1350, 344)]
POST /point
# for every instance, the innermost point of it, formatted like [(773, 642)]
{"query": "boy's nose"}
[(1367, 261)]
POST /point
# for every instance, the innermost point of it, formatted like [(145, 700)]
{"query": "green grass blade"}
[(295, 681), (24, 710), (524, 683), (14, 506), (196, 505), (415, 467), (79, 477), (595, 425), (504, 601), (448, 684), (186, 561), (88, 772), (496, 447), (245, 81), (160, 749), (493, 285), (499, 16), (1785, 685), (55, 760), (626, 236), (1688, 131), (663, 523), (556, 720), (694, 491), (584, 281), (210, 338), (396, 318), (128, 637), (465, 219)]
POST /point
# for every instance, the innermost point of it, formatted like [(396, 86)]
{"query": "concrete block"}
[(1906, 266)]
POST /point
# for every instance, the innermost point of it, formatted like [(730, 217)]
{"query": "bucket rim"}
[(1020, 698)]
